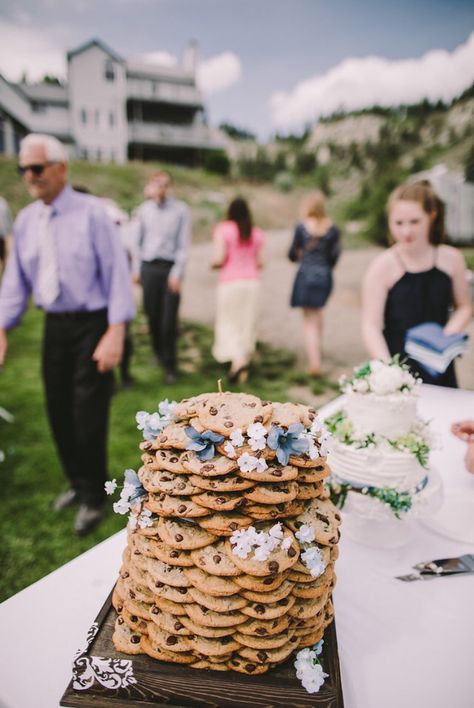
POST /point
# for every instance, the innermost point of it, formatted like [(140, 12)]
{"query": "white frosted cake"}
[(380, 446)]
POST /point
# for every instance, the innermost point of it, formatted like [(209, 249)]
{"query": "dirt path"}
[(280, 325)]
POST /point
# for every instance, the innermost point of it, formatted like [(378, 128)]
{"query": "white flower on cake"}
[(248, 463), (121, 507), (305, 534), (385, 379), (313, 561), (236, 438), (309, 670), (140, 518), (257, 436), (110, 487), (166, 409), (229, 449), (360, 386), (262, 543)]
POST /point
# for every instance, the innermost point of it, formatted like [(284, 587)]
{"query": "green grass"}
[(35, 541)]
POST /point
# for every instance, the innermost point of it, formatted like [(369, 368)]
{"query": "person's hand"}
[(464, 430), (136, 280), (3, 347), (108, 352), (174, 284), (469, 458)]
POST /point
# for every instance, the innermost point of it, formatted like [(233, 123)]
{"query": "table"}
[(400, 644)]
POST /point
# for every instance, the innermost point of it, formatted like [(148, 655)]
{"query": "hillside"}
[(356, 158)]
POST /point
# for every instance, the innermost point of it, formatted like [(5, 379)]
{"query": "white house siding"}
[(90, 91)]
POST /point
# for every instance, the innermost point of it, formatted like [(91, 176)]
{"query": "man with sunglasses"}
[(66, 254)]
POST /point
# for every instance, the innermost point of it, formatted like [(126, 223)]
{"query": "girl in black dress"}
[(316, 246), (418, 279)]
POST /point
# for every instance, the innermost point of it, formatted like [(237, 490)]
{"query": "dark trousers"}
[(78, 399), (161, 308)]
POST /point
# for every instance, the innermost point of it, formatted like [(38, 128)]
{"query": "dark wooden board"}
[(163, 684)]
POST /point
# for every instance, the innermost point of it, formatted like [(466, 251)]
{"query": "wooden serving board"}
[(164, 684)]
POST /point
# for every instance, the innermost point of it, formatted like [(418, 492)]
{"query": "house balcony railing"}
[(195, 136)]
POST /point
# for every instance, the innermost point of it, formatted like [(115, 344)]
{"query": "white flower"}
[(386, 379), (127, 491), (230, 449), (257, 436), (145, 519), (360, 386), (286, 543), (2, 456), (110, 487), (141, 418), (309, 670), (313, 561), (121, 507), (261, 464), (242, 541), (305, 534), (132, 521), (236, 438), (247, 462), (276, 531), (325, 442), (166, 408)]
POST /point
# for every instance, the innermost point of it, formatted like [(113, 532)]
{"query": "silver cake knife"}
[(440, 568)]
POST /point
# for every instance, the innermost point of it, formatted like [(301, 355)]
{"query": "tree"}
[(237, 133)]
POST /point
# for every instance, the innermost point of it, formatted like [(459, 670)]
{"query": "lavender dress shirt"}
[(93, 270)]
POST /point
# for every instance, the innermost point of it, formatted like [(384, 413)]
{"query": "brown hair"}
[(423, 193), (315, 205), (239, 212)]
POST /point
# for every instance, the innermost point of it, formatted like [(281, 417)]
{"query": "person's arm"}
[(374, 297), (334, 249), (182, 248), (15, 290), (219, 248), (462, 312), (115, 279), (260, 258), (296, 248)]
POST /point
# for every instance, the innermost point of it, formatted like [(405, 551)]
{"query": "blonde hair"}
[(315, 206), (423, 193), (53, 149)]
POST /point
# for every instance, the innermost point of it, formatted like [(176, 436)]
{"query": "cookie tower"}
[(232, 537)]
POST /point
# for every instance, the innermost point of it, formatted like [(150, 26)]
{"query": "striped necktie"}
[(48, 270)]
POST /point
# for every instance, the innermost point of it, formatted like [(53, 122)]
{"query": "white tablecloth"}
[(400, 644)]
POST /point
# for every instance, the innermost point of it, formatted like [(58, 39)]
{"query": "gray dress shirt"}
[(165, 232)]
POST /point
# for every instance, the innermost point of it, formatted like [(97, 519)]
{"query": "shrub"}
[(217, 162), (284, 181)]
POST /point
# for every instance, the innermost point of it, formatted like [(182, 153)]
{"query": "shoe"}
[(170, 378), (67, 498), (87, 518)]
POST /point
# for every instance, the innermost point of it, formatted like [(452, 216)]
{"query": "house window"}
[(109, 70), (111, 119), (99, 154), (83, 116), (38, 107)]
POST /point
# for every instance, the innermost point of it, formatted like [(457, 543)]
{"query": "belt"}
[(77, 315), (159, 262)]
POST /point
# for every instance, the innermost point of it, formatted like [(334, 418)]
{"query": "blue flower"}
[(203, 443), (318, 647), (287, 442), (133, 486)]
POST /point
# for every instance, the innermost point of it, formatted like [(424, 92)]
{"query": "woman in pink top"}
[(238, 250)]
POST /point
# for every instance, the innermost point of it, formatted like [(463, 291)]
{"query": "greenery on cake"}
[(382, 378), (416, 442), (399, 502)]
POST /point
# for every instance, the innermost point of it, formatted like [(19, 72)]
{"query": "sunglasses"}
[(37, 169)]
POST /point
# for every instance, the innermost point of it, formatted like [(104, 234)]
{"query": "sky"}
[(264, 65)]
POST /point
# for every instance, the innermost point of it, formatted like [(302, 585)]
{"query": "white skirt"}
[(235, 332)]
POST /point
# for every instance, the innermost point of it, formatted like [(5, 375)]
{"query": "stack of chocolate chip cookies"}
[(235, 567)]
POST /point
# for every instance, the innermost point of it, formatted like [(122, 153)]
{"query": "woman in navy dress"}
[(316, 246), (419, 279)]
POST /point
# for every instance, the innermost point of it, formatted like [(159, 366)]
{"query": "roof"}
[(51, 93), (143, 69), (95, 43)]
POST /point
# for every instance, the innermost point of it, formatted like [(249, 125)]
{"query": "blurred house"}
[(458, 196), (112, 109)]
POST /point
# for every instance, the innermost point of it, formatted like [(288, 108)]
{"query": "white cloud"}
[(219, 72), (29, 49), (358, 83), (158, 58)]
